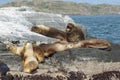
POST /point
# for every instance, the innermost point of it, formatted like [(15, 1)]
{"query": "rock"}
[(75, 63), (2, 47), (3, 68), (71, 64), (109, 75), (17, 24)]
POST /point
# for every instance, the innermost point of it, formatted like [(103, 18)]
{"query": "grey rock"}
[(17, 24), (3, 68)]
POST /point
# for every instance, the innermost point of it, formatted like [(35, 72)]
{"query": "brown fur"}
[(29, 61), (74, 33), (93, 43), (49, 32), (39, 53), (15, 49), (55, 47), (49, 49)]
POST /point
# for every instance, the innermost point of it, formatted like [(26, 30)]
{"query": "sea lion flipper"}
[(49, 32), (93, 43)]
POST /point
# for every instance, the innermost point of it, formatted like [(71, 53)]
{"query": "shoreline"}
[(89, 14), (74, 61)]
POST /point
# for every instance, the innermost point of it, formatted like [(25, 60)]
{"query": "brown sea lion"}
[(74, 33), (29, 61), (19, 50), (30, 53), (51, 48), (49, 32)]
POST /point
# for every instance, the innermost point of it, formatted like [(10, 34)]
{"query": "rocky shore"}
[(74, 64)]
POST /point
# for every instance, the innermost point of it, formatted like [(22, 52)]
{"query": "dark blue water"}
[(101, 26)]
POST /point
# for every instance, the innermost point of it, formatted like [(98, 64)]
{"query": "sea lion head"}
[(12, 47), (70, 27), (74, 33), (15, 49)]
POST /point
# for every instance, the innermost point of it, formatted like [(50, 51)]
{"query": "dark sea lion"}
[(74, 33), (49, 32)]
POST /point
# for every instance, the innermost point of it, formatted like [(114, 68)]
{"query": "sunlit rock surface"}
[(74, 64), (15, 23)]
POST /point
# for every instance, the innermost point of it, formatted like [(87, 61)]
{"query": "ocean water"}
[(101, 26)]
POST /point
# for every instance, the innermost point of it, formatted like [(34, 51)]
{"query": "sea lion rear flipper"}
[(101, 47), (93, 43)]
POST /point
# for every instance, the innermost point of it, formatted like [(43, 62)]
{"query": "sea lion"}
[(74, 33), (29, 61), (49, 32), (51, 48), (30, 53)]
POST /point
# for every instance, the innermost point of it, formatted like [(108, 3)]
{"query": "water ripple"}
[(101, 26)]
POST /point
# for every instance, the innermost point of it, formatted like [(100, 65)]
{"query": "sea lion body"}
[(29, 61)]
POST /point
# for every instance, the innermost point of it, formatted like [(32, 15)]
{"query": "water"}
[(101, 26)]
